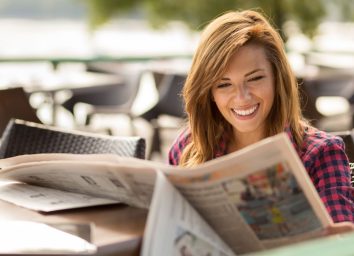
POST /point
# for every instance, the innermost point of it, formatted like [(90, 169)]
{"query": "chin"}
[(249, 128)]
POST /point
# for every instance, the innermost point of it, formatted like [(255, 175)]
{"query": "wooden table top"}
[(118, 229)]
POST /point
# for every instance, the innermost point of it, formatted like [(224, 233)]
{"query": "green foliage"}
[(347, 10), (101, 11), (308, 14), (197, 13)]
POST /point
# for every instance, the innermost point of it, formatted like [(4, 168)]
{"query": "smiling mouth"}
[(246, 112)]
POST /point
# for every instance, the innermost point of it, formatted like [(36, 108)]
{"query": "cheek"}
[(269, 97), (266, 92), (220, 101)]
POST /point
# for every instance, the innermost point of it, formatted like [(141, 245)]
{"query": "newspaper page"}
[(257, 198), (54, 182), (71, 182), (175, 228), (47, 199)]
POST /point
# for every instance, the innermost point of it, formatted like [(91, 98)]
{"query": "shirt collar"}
[(222, 146)]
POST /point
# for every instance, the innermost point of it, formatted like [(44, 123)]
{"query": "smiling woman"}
[(245, 94), (240, 90)]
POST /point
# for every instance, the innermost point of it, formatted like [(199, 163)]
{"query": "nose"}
[(243, 92)]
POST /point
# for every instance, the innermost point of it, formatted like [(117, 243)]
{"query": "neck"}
[(242, 140)]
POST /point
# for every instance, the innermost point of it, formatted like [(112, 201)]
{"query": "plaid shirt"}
[(325, 160)]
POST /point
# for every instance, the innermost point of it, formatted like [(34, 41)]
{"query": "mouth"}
[(248, 112)]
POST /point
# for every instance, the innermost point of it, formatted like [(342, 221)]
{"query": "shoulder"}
[(322, 152), (178, 146), (315, 141)]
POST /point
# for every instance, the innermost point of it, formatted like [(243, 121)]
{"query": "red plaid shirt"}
[(325, 160)]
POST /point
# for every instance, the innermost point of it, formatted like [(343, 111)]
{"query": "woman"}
[(240, 90)]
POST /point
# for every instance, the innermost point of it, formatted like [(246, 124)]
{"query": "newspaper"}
[(188, 233), (254, 199)]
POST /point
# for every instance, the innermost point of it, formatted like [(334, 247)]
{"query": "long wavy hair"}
[(219, 42)]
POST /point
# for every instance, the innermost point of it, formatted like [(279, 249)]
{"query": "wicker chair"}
[(14, 103), (21, 137), (170, 103), (109, 99)]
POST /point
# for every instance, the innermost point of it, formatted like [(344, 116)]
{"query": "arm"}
[(328, 167)]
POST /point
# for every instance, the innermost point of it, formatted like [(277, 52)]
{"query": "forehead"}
[(248, 58)]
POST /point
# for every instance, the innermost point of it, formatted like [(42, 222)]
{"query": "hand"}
[(338, 228)]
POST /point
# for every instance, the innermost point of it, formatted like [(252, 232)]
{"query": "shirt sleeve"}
[(177, 147), (329, 170)]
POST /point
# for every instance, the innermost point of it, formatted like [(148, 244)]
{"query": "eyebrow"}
[(247, 74)]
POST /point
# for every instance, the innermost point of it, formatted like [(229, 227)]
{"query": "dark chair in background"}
[(109, 99), (21, 137), (169, 103), (14, 103), (336, 84), (311, 89)]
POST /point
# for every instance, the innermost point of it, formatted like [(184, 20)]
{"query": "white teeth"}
[(245, 112)]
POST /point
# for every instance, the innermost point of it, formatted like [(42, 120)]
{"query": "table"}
[(118, 228), (52, 91), (55, 83)]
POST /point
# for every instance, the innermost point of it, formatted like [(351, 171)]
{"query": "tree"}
[(102, 11), (196, 13)]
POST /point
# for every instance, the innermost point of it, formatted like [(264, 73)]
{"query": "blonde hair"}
[(219, 41)]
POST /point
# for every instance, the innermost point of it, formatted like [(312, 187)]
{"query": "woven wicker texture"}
[(22, 137)]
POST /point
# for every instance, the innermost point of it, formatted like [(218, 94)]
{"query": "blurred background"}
[(117, 66)]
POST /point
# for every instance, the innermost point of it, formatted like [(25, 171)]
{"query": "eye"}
[(224, 85), (256, 78)]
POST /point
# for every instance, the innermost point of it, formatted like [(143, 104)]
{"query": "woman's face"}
[(245, 94)]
